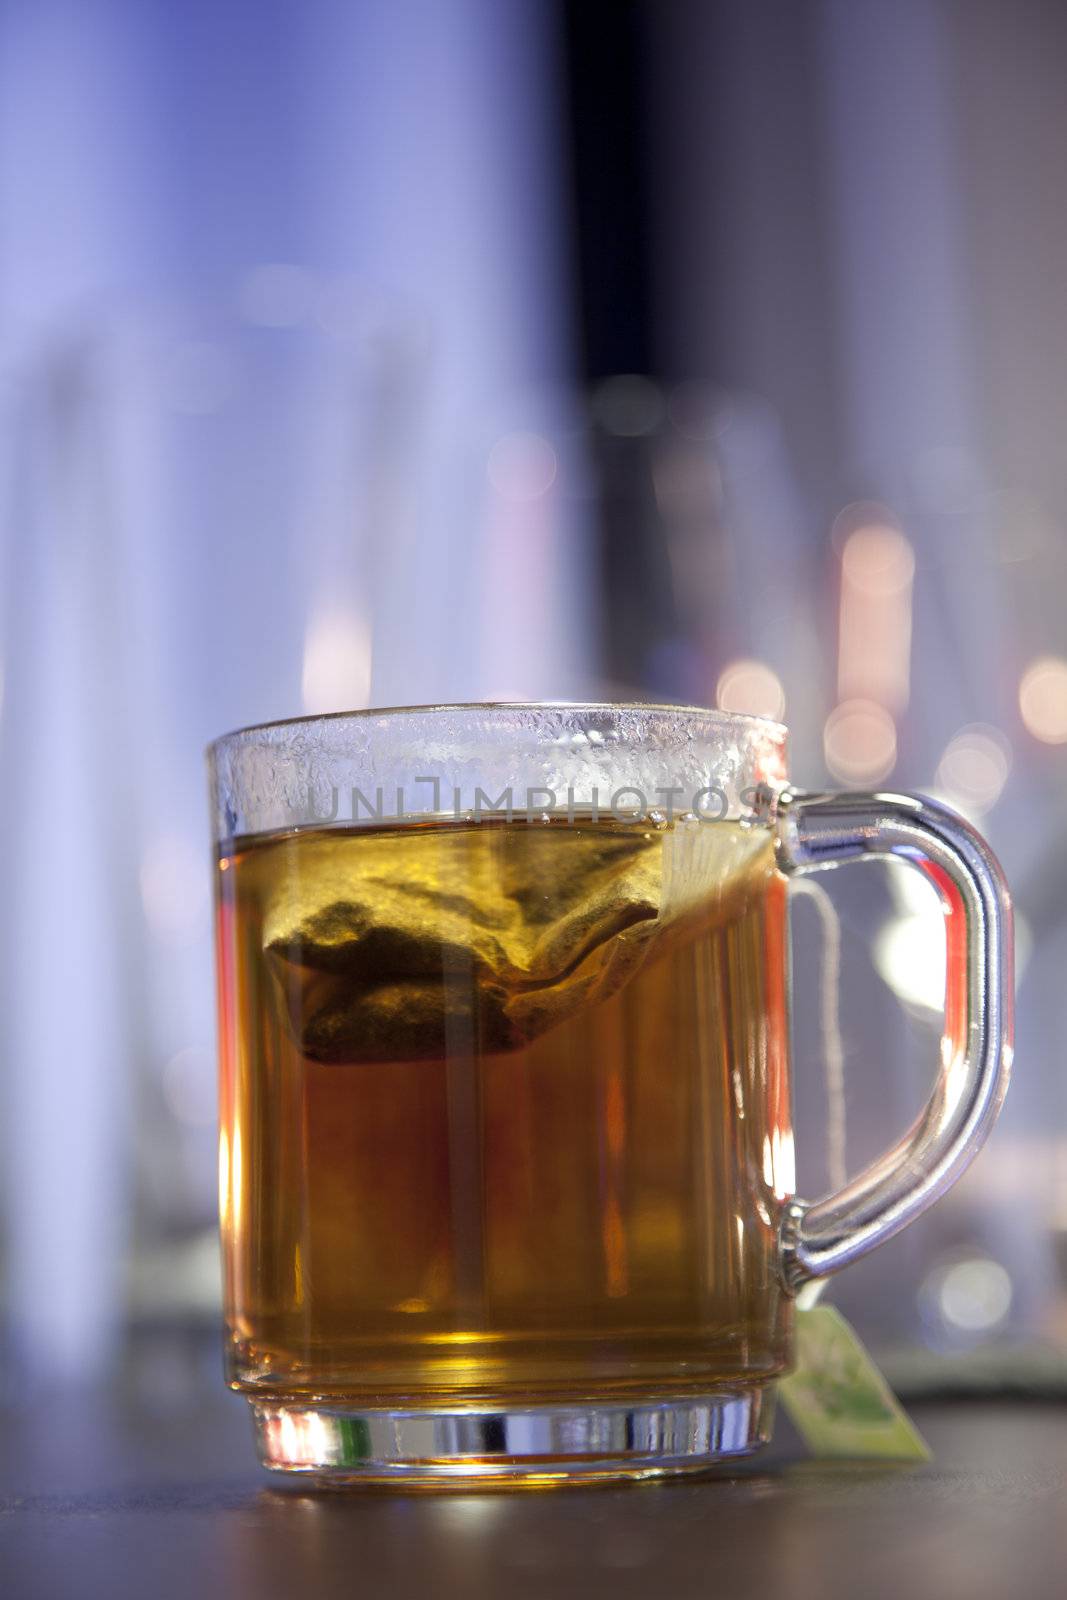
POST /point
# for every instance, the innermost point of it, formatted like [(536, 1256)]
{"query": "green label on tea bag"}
[(839, 1401)]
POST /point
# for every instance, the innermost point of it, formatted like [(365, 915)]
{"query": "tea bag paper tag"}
[(837, 1399)]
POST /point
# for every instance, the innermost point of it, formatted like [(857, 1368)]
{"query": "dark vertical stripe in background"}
[(605, 66), (611, 157)]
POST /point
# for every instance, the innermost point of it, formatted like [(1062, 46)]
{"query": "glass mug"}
[(506, 1166)]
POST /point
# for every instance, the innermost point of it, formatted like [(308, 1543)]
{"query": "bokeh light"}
[(337, 663), (874, 649), (878, 560), (1043, 699), (972, 1296), (974, 768), (860, 742), (628, 405), (522, 466), (752, 687)]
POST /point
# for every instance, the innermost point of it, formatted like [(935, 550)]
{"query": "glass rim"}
[(661, 708)]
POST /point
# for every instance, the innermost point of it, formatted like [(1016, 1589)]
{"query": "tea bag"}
[(401, 946)]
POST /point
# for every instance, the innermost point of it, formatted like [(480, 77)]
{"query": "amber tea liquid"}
[(504, 1111)]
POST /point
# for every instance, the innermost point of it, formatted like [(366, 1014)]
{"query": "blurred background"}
[(381, 351)]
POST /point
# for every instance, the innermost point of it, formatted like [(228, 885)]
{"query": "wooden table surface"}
[(96, 1501)]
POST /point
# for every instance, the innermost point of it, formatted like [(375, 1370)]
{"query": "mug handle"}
[(816, 831)]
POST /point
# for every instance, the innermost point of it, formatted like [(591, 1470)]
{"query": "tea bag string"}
[(833, 1054)]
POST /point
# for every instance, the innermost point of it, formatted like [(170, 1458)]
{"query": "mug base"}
[(518, 1447)]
